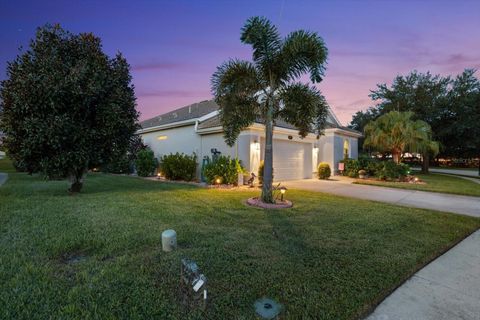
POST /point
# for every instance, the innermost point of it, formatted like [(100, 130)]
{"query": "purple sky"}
[(175, 46)]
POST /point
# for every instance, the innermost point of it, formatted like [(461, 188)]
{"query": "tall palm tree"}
[(267, 88), (396, 132)]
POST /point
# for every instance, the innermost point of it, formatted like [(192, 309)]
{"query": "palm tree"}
[(396, 132), (267, 88)]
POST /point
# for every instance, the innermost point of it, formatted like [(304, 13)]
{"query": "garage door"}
[(290, 160)]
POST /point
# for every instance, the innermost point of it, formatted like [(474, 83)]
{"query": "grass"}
[(434, 183), (456, 168), (98, 254)]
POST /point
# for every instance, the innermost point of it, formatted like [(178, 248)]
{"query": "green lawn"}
[(455, 168), (434, 183), (97, 254)]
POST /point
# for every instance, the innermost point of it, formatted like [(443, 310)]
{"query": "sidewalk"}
[(446, 289), (409, 198)]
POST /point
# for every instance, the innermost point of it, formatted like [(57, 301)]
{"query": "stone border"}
[(256, 202)]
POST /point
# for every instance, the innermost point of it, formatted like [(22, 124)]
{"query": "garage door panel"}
[(289, 160)]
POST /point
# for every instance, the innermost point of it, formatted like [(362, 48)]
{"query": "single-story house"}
[(197, 129)]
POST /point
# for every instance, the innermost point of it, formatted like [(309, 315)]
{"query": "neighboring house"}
[(197, 129)]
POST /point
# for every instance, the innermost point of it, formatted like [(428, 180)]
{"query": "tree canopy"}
[(449, 106), (267, 88), (67, 106), (396, 132)]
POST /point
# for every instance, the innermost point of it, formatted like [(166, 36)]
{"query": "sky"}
[(173, 47)]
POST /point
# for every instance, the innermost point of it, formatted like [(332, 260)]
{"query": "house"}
[(197, 129)]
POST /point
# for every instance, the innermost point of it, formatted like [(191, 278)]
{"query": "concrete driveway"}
[(410, 198)]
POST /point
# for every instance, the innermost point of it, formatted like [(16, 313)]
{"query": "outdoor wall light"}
[(256, 144), (282, 192)]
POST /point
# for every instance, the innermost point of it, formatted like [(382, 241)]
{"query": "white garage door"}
[(290, 160)]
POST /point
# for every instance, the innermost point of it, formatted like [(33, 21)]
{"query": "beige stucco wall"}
[(180, 139), (249, 147)]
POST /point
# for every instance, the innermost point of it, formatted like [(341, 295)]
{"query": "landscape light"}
[(282, 192), (416, 179), (218, 181)]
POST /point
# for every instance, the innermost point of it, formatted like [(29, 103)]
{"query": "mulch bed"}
[(256, 202)]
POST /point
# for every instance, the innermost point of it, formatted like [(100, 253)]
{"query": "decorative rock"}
[(169, 240)]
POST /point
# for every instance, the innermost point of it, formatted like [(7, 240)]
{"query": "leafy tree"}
[(461, 129), (361, 119), (423, 94), (123, 161), (396, 132), (67, 106), (266, 88)]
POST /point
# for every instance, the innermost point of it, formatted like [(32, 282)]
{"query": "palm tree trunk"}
[(267, 195), (426, 162), (396, 156)]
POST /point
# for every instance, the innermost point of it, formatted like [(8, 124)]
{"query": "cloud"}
[(456, 59)]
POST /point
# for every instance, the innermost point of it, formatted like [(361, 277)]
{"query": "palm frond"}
[(303, 52), (234, 86), (264, 38), (304, 107)]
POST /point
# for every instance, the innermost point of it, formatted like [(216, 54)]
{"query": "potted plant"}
[(362, 173)]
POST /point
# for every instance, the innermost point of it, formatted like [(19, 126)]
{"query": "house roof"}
[(215, 122), (189, 112), (200, 109)]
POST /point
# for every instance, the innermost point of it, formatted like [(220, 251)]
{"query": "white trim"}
[(168, 126), (334, 116), (179, 123), (343, 132), (208, 116)]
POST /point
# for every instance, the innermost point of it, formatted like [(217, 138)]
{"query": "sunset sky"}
[(174, 47)]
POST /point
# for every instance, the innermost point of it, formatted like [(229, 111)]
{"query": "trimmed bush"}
[(223, 168), (179, 166), (323, 170), (389, 170), (146, 163)]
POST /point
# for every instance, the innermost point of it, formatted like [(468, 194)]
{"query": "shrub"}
[(389, 170), (145, 163), (351, 167), (223, 168), (323, 170), (120, 165), (179, 166), (260, 172)]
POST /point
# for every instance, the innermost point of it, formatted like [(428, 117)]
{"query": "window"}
[(346, 148)]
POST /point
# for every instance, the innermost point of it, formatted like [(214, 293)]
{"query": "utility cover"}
[(267, 308)]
